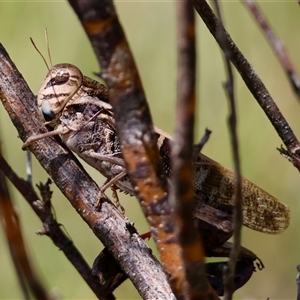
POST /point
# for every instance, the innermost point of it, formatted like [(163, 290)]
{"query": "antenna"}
[(39, 52), (48, 48)]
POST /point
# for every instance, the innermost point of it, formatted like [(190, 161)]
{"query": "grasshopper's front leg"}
[(105, 163), (58, 131)]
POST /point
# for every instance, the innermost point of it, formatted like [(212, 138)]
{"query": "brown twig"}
[(238, 213), (135, 130), (298, 282), (108, 224), (199, 146), (254, 84), (53, 229), (10, 221), (276, 45), (182, 192)]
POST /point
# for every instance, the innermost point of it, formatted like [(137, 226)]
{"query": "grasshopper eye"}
[(62, 78), (59, 79)]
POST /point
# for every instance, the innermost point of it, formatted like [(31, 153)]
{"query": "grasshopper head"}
[(59, 86)]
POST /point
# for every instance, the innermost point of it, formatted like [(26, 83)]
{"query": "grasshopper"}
[(78, 109)]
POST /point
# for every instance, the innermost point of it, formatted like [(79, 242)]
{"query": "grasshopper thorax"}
[(60, 85)]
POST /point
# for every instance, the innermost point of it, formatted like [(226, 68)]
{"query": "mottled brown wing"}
[(261, 211)]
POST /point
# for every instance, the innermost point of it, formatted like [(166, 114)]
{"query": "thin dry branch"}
[(254, 84), (135, 129), (108, 224), (199, 146), (276, 45), (182, 192), (238, 213), (298, 282), (53, 229), (26, 273)]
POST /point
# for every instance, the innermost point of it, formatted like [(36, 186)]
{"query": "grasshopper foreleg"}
[(33, 138)]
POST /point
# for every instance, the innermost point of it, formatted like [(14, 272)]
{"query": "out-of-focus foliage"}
[(150, 28)]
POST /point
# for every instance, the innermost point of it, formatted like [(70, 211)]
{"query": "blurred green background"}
[(150, 28)]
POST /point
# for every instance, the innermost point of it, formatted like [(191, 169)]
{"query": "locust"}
[(77, 108)]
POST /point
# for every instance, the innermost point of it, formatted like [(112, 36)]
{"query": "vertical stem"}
[(238, 214)]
